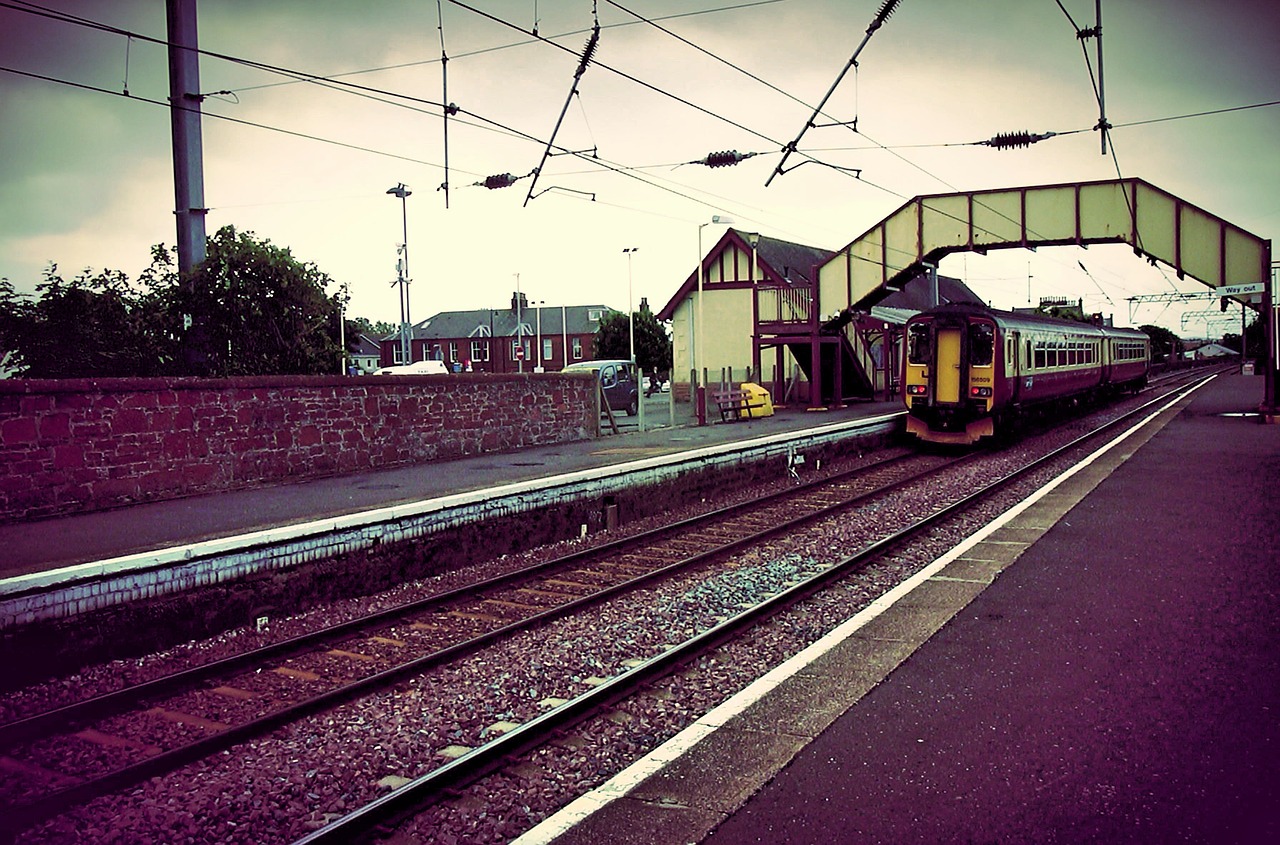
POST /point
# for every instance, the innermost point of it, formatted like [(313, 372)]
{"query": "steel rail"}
[(393, 808), (25, 815), (118, 701)]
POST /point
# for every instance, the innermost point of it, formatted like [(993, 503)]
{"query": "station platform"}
[(1102, 666), (50, 544)]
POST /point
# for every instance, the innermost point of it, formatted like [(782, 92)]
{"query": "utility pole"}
[(402, 275), (184, 117)]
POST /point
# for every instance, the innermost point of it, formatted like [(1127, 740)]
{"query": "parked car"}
[(417, 368), (617, 381)]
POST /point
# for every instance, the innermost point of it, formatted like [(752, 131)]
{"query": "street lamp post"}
[(539, 304), (699, 363), (631, 332), (631, 318), (519, 328), (753, 238), (402, 273), (344, 295)]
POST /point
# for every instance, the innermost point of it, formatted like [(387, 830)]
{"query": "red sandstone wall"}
[(78, 445)]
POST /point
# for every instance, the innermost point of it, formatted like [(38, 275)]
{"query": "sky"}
[(86, 168)]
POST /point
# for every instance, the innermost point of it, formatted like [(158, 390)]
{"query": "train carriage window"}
[(982, 344), (1041, 357), (919, 349)]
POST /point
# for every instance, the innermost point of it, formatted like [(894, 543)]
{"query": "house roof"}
[(783, 262), (779, 262), (916, 295), (366, 345), (495, 322)]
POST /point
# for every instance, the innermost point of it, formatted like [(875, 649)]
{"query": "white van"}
[(417, 368)]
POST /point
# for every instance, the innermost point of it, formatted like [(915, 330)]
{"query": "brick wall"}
[(77, 445)]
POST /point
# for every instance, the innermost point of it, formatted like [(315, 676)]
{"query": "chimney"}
[(519, 302)]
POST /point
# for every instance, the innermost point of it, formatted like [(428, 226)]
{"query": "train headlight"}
[(917, 390), (980, 392)]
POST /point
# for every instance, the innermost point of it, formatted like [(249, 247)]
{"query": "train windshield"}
[(919, 350), (982, 344)]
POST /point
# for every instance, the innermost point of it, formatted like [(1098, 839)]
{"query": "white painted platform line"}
[(371, 519), (620, 784)]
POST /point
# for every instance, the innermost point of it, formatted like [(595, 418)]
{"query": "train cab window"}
[(919, 350), (982, 344)]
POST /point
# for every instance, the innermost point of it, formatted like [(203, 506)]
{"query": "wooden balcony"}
[(783, 310)]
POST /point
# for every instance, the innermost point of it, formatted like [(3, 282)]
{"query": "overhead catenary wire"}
[(629, 77), (447, 108), (587, 52), (404, 100), (525, 135), (885, 11)]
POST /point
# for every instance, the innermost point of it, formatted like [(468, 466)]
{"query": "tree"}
[(1165, 345), (251, 308), (94, 326), (376, 330), (653, 346)]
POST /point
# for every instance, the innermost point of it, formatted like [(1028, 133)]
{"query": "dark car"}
[(618, 381)]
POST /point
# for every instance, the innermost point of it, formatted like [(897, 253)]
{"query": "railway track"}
[(71, 755), (310, 674), (389, 811)]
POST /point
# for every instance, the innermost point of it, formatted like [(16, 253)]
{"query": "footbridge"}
[(1159, 226)]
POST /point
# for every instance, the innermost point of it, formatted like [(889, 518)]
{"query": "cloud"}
[(84, 179)]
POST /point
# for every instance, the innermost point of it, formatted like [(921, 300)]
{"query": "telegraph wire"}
[(536, 38), (623, 74), (164, 104), (447, 109)]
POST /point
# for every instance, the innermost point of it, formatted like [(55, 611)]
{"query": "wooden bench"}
[(739, 403)]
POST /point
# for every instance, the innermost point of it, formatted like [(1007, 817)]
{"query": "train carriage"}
[(971, 371)]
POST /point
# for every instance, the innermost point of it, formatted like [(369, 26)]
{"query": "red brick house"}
[(522, 337)]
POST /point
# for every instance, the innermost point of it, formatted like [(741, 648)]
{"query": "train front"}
[(949, 374)]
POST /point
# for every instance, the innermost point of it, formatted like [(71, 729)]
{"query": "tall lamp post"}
[(631, 317), (699, 363), (519, 328), (539, 304), (402, 273), (631, 332), (753, 238)]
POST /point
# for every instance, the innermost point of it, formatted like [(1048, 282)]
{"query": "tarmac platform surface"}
[(43, 545), (1104, 668), (1117, 679)]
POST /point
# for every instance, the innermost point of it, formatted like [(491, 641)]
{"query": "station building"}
[(758, 308)]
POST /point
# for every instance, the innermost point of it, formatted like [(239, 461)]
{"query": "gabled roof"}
[(779, 262), (917, 296), (366, 345), (501, 322)]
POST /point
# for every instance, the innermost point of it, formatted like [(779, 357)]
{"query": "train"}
[(971, 372)]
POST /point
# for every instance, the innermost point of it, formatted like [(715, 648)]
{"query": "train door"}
[(947, 365), (1013, 364)]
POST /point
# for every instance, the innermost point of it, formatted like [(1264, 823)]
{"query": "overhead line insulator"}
[(883, 15), (1009, 140), (588, 51), (724, 158), (500, 180)]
